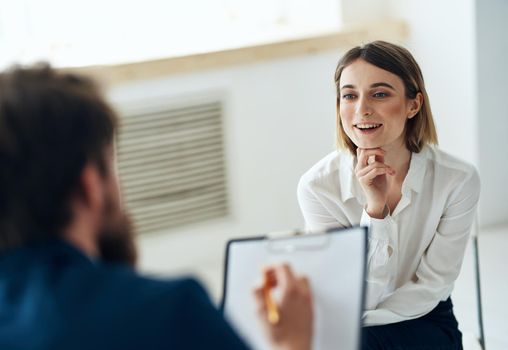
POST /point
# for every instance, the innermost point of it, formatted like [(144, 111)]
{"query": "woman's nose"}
[(363, 108)]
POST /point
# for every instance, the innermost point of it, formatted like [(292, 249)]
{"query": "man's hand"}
[(294, 327)]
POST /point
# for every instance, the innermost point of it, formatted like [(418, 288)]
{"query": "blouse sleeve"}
[(381, 257), (440, 265), (314, 209), (317, 209)]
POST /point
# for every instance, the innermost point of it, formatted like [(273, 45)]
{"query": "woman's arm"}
[(314, 208), (440, 265), (317, 204)]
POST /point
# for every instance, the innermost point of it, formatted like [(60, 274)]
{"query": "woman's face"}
[(373, 106)]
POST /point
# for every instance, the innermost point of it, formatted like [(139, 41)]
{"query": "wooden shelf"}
[(392, 30)]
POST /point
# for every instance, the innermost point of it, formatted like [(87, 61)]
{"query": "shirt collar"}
[(350, 188), (60, 247), (416, 172)]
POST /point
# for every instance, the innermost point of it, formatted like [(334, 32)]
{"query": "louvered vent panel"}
[(171, 162)]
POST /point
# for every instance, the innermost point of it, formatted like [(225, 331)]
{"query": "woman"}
[(418, 201)]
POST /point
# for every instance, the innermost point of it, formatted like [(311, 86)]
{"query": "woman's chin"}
[(368, 145)]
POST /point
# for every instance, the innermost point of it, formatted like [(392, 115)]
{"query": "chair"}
[(474, 237)]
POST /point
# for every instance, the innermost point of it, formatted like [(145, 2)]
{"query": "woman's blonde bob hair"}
[(420, 129)]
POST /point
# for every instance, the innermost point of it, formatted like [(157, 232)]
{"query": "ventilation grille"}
[(171, 162)]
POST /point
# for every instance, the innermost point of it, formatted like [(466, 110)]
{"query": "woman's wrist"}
[(377, 211)]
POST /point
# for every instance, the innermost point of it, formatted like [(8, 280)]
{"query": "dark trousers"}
[(438, 330)]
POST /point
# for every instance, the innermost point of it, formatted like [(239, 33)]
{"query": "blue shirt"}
[(52, 296)]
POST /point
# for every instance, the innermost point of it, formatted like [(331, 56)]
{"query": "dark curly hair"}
[(51, 124)]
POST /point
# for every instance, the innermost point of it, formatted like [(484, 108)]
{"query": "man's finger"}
[(285, 277), (304, 285), (259, 297), (269, 277)]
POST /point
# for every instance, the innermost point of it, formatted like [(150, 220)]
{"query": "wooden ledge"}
[(392, 30)]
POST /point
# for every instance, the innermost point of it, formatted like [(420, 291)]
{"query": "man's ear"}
[(90, 187)]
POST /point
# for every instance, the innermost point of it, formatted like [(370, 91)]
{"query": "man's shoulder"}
[(177, 312), (137, 293), (84, 304), (77, 285), (171, 291), (139, 309)]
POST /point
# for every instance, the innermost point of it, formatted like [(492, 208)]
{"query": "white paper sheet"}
[(335, 264)]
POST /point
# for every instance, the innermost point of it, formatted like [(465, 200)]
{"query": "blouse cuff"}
[(381, 259), (378, 228)]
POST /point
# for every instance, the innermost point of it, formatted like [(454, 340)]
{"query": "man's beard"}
[(116, 237)]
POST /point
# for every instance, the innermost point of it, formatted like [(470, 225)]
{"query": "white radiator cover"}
[(171, 162)]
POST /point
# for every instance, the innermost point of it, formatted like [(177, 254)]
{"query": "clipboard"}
[(335, 263)]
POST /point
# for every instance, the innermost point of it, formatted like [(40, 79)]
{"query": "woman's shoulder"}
[(329, 168), (448, 161), (452, 167)]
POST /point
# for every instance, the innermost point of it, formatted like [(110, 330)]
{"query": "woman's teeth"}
[(367, 126)]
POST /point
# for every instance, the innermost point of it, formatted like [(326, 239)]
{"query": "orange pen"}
[(270, 282)]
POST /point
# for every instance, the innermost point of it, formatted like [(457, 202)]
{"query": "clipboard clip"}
[(281, 241), (284, 234)]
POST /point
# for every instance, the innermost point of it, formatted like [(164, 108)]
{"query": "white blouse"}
[(415, 253)]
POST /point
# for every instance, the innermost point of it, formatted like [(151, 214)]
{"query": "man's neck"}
[(82, 238)]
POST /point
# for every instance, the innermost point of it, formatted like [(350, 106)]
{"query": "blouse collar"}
[(350, 187)]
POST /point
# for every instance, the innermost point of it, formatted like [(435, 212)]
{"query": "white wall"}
[(442, 41), (492, 57), (280, 118), (462, 49)]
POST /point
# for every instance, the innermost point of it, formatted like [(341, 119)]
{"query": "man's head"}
[(57, 174)]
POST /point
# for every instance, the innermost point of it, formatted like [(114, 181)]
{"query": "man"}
[(67, 254)]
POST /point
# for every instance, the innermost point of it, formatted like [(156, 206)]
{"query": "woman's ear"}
[(415, 105)]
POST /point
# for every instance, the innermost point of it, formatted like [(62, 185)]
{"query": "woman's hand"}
[(294, 327), (372, 172)]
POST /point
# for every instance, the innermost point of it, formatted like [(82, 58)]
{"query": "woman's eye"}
[(380, 94), (348, 96)]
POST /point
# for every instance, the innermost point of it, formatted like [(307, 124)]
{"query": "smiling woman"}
[(418, 201)]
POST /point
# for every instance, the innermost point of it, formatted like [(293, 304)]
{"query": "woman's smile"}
[(367, 128)]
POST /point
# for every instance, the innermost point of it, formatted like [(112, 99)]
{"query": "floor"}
[(493, 250)]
